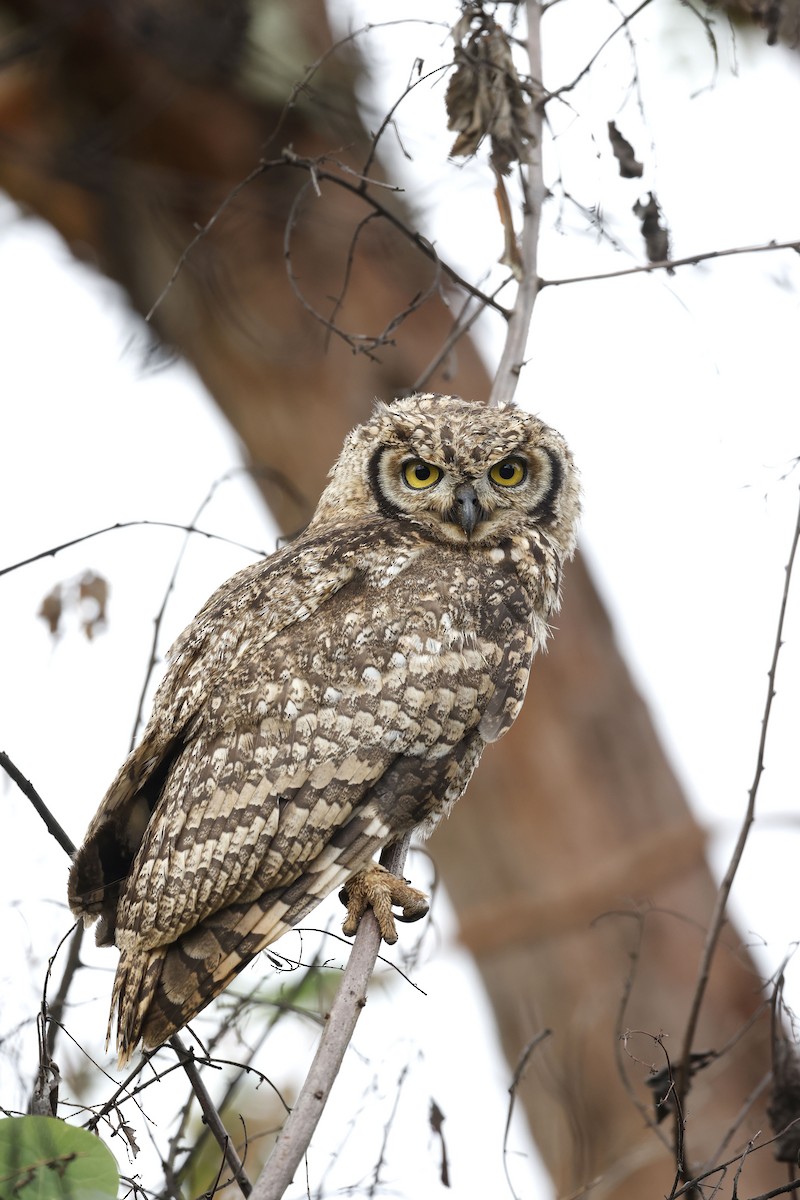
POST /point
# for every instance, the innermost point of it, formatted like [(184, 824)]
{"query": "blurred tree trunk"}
[(127, 127)]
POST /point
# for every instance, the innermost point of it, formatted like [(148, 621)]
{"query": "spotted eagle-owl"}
[(327, 700)]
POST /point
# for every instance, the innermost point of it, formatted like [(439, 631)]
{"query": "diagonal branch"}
[(212, 1117), (351, 997), (27, 789)]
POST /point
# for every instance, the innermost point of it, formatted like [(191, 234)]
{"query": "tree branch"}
[(212, 1117), (294, 1138), (85, 537), (27, 788), (513, 356), (718, 915), (691, 260)]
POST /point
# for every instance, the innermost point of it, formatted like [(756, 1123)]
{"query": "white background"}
[(679, 397)]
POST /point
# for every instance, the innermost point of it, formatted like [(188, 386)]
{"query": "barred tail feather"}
[(136, 978)]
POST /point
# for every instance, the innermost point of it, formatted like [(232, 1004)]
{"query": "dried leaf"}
[(93, 599), (629, 166), (656, 235), (86, 596), (511, 253), (130, 1137), (485, 96), (51, 609)]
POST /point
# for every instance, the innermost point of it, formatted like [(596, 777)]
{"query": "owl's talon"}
[(378, 889)]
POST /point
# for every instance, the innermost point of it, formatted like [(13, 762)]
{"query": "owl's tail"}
[(158, 991), (134, 983)]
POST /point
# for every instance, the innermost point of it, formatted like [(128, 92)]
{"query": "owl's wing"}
[(279, 763), (258, 824), (160, 991), (262, 601), (511, 682)]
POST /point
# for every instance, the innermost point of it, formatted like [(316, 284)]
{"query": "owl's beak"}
[(467, 510)]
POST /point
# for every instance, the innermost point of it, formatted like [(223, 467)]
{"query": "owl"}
[(326, 701)]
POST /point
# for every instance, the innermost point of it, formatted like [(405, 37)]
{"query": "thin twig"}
[(159, 617), (295, 1137), (620, 1048), (86, 537), (790, 1187), (513, 356), (27, 789), (290, 159), (361, 343), (568, 87), (691, 260), (461, 327), (187, 1060), (213, 1119), (718, 915), (55, 1007), (519, 1071)]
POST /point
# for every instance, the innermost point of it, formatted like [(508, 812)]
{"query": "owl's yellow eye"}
[(508, 473), (420, 475)]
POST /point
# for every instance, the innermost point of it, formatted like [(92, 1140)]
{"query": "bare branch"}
[(358, 342), (519, 1071), (568, 87), (27, 789), (718, 915), (55, 1008), (86, 537), (294, 1138), (418, 240), (669, 264), (213, 1119), (512, 358)]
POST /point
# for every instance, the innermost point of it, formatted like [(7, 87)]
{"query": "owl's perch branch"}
[(513, 357), (295, 1137)]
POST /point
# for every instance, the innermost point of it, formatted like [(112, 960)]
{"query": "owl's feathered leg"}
[(378, 889)]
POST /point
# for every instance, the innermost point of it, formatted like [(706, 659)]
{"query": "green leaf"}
[(42, 1158)]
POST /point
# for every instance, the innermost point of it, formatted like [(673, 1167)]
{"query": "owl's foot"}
[(378, 889)]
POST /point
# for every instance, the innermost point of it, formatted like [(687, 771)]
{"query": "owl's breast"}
[(458, 599)]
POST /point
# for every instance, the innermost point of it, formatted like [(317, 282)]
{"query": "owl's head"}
[(462, 473)]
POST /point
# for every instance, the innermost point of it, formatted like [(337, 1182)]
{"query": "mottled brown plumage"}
[(327, 700)]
